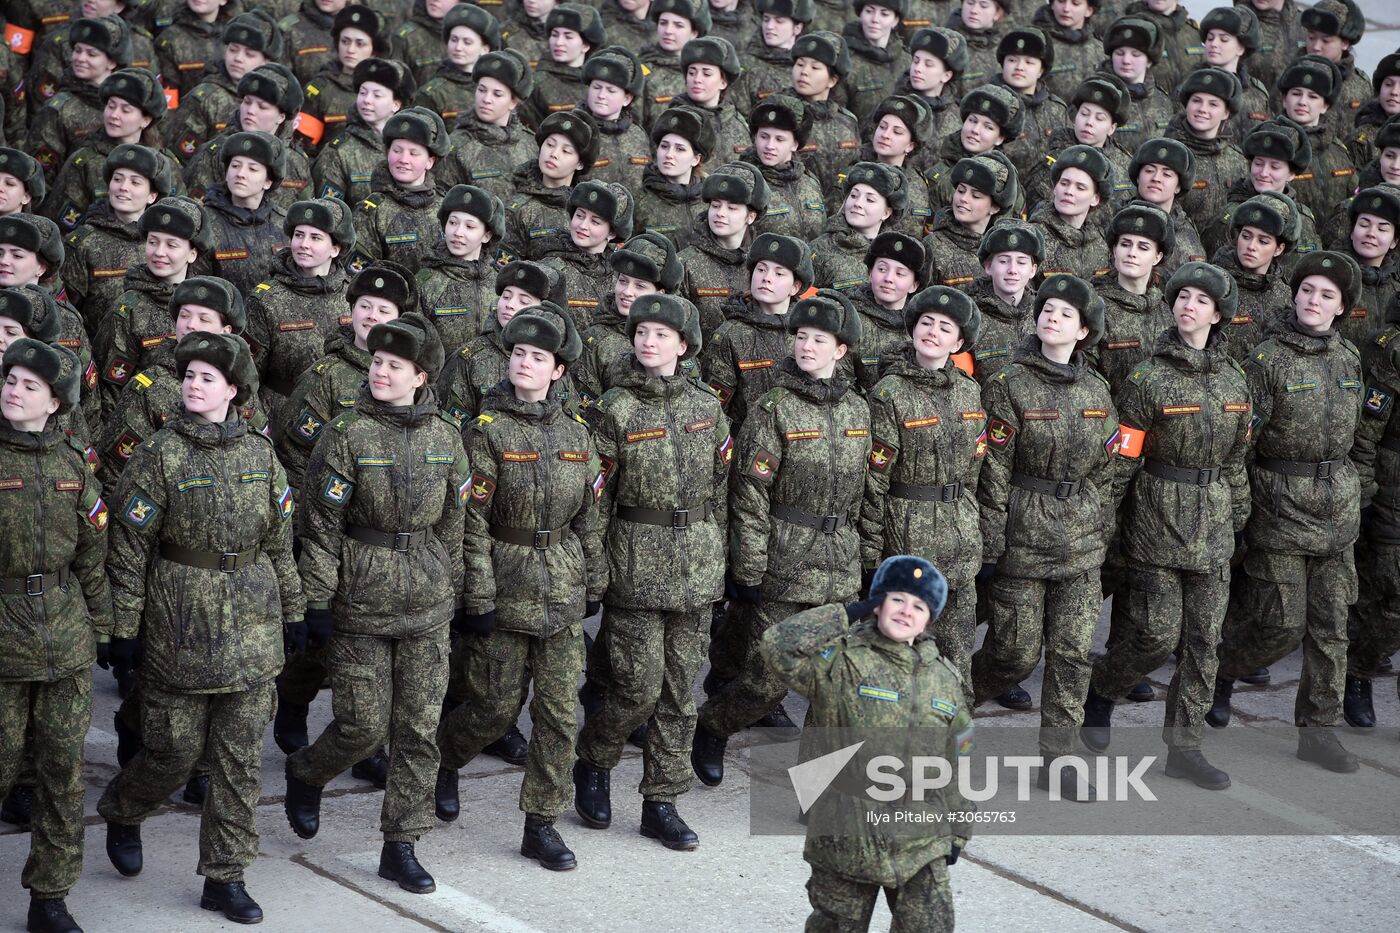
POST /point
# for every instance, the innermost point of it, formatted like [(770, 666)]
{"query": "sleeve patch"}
[(337, 490), (308, 425), (981, 450), (139, 511), (97, 515), (763, 465), (1377, 400), (118, 372), (964, 741), (1113, 443), (999, 433), (1130, 441), (480, 490), (285, 505), (880, 455), (726, 450)]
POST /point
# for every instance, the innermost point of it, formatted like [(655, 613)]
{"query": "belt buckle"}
[(31, 581), (1064, 489), (950, 492), (680, 518), (1205, 476), (542, 540), (228, 562), (829, 525), (402, 541), (1324, 469)]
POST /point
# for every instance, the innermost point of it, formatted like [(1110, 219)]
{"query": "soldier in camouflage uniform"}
[(1310, 88), (108, 242), (665, 450), (897, 264), (899, 134), (456, 278), (310, 44), (1185, 415), (928, 438), (75, 110), (568, 147), (1230, 37), (1082, 180), (670, 195), (245, 223), (803, 452), (21, 181), (1313, 456), (385, 487), (820, 63), (559, 84), (398, 220), (741, 360), (1077, 50), (133, 104), (49, 58), (204, 523), (185, 46), (1032, 58), (468, 32), (796, 206), (768, 56), (489, 140), (1264, 228), (711, 67), (939, 57), (877, 53), (344, 167), (1180, 39), (1161, 171), (1208, 97), (991, 117), (874, 196), (981, 30), (301, 304), (1371, 240), (1364, 141), (534, 570), (1011, 253), (645, 264), (1047, 507), (687, 19), (422, 38), (599, 214), (1097, 111), (1133, 47), (1140, 237), (1330, 29), (613, 86), (983, 187), (48, 624), (736, 195), (357, 34), (888, 655)]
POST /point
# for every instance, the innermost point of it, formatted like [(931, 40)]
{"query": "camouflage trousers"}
[(1375, 617), (497, 673), (757, 688), (955, 629), (54, 718), (654, 656), (1287, 599), (923, 904), (1026, 616), (225, 730), (384, 689), (1163, 607)]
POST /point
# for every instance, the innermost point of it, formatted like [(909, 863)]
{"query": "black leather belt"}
[(1063, 489), (1200, 476), (677, 518), (527, 537), (393, 540), (34, 584), (950, 492), (1321, 469), (223, 561), (826, 524)]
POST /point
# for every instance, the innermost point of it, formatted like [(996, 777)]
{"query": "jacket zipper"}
[(39, 564), (542, 471), (677, 535), (830, 546)]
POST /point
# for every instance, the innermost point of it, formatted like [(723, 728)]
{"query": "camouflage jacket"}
[(420, 42), (81, 182), (767, 71), (604, 343), (1076, 250), (1043, 113), (58, 127), (216, 489), (330, 98), (668, 208), (1379, 287), (535, 212), (396, 223), (457, 295), (740, 362), (204, 113), (1355, 91), (187, 46), (1182, 50), (96, 258), (1132, 324), (533, 469), (588, 277), (952, 251), (1378, 406), (1188, 246), (486, 156), (928, 438), (1047, 421), (558, 87), (1219, 163), (832, 144), (1361, 141), (882, 338), (56, 522), (290, 317), (479, 364), (1265, 303), (1307, 393), (309, 44), (394, 469), (246, 240), (803, 447), (665, 80), (873, 71), (1192, 407), (838, 256), (1077, 53), (322, 394), (714, 275), (1281, 38), (859, 680), (1216, 231), (624, 150), (664, 445), (795, 203), (1003, 328), (344, 167), (206, 169), (449, 93), (126, 337)]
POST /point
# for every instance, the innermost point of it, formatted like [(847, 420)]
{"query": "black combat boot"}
[(50, 915), (1098, 716), (196, 789), (1320, 746), (289, 726), (1259, 678), (445, 799), (1189, 763), (1071, 787), (374, 769), (303, 805), (1218, 716), (707, 756), (398, 863), (510, 747), (128, 740), (543, 843), (124, 848), (1356, 704), (593, 795), (18, 807), (232, 900), (778, 719), (1142, 692), (660, 821), (1015, 698)]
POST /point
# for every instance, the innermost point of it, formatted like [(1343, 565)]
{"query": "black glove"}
[(294, 636), (480, 625), (121, 653), (952, 857), (104, 655), (867, 577), (591, 608), (987, 572), (320, 625), (748, 595)]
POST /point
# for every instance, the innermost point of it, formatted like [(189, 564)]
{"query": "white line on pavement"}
[(1374, 846), (482, 915)]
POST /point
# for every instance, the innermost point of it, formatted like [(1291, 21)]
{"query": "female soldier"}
[(1187, 405), (896, 263), (21, 181), (489, 140), (665, 451), (382, 559), (529, 555), (1139, 238), (682, 140), (875, 197), (544, 184), (345, 166), (1046, 501), (204, 530), (357, 34), (398, 219), (795, 207), (468, 32), (803, 451), (46, 624), (453, 282), (983, 187), (927, 442)]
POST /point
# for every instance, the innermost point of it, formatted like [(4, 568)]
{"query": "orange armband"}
[(310, 127), (1130, 441), (19, 39)]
